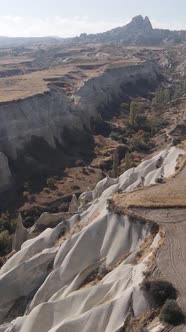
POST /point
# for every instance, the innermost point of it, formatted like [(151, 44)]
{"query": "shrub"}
[(124, 106), (85, 171), (158, 291), (128, 161), (75, 187), (138, 144), (46, 190), (28, 221), (115, 165), (132, 113), (51, 183), (25, 194), (160, 180), (7, 225), (115, 136), (5, 242), (31, 199), (79, 163), (171, 313)]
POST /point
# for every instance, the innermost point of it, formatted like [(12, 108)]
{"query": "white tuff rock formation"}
[(50, 271)]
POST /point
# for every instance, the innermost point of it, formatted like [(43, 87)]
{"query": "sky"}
[(68, 18)]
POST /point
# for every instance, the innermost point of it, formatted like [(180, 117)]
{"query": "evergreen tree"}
[(132, 113), (127, 161), (115, 165)]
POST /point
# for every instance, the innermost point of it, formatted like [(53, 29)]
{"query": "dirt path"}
[(171, 261), (171, 257), (171, 194)]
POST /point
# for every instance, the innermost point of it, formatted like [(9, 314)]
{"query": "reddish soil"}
[(76, 180)]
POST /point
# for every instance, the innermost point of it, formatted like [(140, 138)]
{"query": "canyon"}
[(59, 112), (92, 182)]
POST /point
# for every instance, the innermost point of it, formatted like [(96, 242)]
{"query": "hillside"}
[(139, 32), (92, 183), (86, 273)]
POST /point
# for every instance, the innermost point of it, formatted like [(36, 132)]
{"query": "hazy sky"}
[(71, 17)]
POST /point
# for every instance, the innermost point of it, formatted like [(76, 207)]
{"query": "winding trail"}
[(165, 204), (171, 257)]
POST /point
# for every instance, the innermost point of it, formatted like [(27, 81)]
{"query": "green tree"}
[(167, 96), (115, 167), (162, 96), (124, 106), (132, 113), (127, 161)]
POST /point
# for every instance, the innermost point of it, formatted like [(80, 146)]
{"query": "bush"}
[(25, 194), (51, 183), (115, 136), (7, 225), (138, 144), (75, 187), (46, 190), (124, 106), (158, 291), (28, 221), (171, 313), (5, 242), (31, 199)]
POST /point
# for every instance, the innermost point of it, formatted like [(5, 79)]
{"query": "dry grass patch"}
[(167, 195), (141, 323), (24, 86)]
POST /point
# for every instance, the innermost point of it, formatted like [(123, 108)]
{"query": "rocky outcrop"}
[(138, 32), (47, 132), (139, 23), (102, 93), (87, 279)]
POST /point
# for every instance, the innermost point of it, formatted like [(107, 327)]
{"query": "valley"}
[(92, 182)]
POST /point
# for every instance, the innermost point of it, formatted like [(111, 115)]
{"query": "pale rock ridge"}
[(138, 32), (58, 268)]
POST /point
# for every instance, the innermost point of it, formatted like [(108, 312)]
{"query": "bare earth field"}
[(166, 195), (29, 72)]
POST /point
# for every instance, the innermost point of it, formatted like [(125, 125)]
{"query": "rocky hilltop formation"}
[(139, 32)]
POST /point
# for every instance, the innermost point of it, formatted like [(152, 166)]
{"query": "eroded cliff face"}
[(100, 93), (51, 130), (42, 134)]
